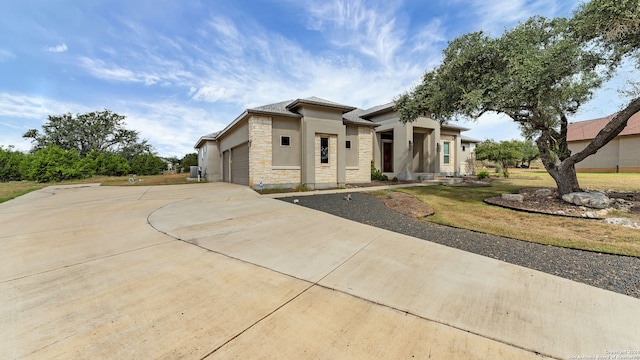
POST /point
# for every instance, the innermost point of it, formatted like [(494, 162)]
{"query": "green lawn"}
[(463, 207), (11, 190)]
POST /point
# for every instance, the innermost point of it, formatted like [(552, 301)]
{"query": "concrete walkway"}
[(216, 271)]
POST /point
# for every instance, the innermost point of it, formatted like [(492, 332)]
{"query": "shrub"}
[(10, 161), (377, 174), (482, 174), (302, 188), (147, 164), (395, 179), (54, 164)]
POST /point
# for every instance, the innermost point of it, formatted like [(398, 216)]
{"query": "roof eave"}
[(298, 102)]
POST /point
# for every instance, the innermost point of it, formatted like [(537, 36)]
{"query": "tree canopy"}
[(97, 131), (504, 153), (538, 74)]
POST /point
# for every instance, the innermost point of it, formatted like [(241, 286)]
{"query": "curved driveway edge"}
[(216, 271)]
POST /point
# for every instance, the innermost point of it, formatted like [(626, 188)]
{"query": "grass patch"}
[(463, 207), (12, 190)]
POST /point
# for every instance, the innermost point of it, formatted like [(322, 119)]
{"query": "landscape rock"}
[(596, 200), (596, 214), (513, 197), (622, 222), (544, 192)]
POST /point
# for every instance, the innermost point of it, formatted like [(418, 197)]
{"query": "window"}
[(285, 141), (324, 150), (348, 144), (446, 152)]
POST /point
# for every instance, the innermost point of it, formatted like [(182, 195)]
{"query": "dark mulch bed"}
[(611, 272)]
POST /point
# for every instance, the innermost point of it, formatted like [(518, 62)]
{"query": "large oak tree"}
[(538, 74), (98, 131)]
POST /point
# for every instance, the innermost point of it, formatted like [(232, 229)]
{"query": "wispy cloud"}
[(6, 55), (496, 16), (113, 72), (371, 27), (56, 49), (32, 107)]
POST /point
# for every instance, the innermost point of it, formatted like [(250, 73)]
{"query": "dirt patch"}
[(534, 201), (406, 204)]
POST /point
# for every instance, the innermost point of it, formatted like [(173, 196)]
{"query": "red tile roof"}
[(587, 130)]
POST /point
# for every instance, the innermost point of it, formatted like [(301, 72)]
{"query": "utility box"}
[(193, 172)]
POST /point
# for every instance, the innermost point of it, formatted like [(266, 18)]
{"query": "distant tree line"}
[(510, 153), (81, 146)]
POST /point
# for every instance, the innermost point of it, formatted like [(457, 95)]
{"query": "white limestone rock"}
[(544, 192), (622, 222), (513, 197), (596, 200)]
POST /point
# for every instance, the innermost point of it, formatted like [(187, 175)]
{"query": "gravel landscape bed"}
[(620, 274)]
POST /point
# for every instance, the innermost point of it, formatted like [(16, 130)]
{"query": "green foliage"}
[(537, 73), (188, 161), (482, 174), (302, 188), (147, 164), (377, 174), (395, 179), (108, 164), (613, 24), (504, 153), (98, 131), (529, 152), (10, 161), (54, 164)]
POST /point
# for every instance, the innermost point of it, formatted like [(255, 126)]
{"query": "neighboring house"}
[(323, 144), (619, 155)]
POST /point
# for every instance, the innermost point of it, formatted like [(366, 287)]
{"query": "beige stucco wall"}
[(209, 161), (361, 173), (467, 152), (351, 154), (622, 151), (629, 152), (261, 168), (286, 155)]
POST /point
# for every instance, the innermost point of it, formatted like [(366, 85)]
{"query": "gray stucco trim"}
[(300, 102)]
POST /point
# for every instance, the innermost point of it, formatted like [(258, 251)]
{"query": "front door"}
[(387, 157)]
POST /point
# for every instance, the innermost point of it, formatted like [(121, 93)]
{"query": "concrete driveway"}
[(209, 271)]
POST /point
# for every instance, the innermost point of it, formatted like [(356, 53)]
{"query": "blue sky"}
[(179, 69)]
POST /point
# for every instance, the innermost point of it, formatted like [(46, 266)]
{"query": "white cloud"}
[(370, 27), (6, 55), (56, 49), (101, 70), (171, 127), (32, 107), (497, 15)]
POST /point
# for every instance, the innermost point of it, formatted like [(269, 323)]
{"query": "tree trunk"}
[(564, 172), (565, 177)]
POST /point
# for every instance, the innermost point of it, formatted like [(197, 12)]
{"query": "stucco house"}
[(619, 155), (323, 144)]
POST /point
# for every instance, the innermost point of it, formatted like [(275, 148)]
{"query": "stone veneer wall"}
[(327, 174), (362, 174), (261, 167)]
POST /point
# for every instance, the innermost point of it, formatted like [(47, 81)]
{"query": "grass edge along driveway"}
[(463, 207)]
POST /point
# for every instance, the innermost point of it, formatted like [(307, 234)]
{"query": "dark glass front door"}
[(387, 157)]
